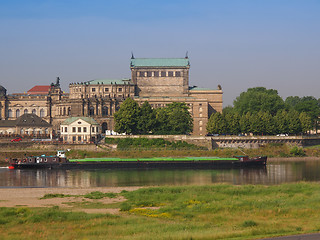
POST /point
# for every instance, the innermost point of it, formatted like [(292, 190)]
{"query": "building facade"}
[(80, 130), (158, 81)]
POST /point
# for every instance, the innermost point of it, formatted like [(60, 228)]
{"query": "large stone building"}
[(158, 81)]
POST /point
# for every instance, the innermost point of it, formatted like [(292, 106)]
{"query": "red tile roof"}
[(39, 89)]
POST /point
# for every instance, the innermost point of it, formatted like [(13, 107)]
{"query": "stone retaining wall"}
[(234, 141)]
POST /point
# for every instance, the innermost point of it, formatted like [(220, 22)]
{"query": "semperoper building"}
[(159, 81)]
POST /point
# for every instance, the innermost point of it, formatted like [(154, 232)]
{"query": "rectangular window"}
[(170, 74), (156, 74), (62, 129), (93, 129), (141, 74), (79, 129), (74, 138), (79, 138), (74, 129), (106, 89), (178, 74), (163, 74), (120, 89), (149, 74), (97, 129), (93, 89), (84, 129), (65, 129)]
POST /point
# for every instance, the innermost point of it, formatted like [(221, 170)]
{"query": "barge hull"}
[(258, 162)]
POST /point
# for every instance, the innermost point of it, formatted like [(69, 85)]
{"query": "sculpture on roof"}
[(57, 82)]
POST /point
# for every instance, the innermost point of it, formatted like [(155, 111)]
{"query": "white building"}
[(80, 130)]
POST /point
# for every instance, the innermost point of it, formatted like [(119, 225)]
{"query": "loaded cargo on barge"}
[(60, 161)]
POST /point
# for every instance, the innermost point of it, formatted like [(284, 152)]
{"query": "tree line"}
[(172, 119), (262, 111)]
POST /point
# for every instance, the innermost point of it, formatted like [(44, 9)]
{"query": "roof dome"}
[(3, 91)]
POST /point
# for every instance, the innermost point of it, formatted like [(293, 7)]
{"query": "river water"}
[(273, 173)]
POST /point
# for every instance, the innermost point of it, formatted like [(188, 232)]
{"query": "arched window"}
[(25, 111), (105, 111), (41, 113), (91, 111), (17, 113), (10, 113), (64, 111), (69, 111), (46, 131), (21, 131), (34, 111)]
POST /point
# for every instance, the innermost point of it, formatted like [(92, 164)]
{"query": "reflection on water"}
[(274, 173)]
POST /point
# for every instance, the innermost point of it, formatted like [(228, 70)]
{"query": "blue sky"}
[(235, 43)]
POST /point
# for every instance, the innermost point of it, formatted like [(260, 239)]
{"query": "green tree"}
[(294, 124), (228, 109), (306, 122), (216, 124), (179, 118), (232, 122), (245, 122), (292, 101), (259, 98), (174, 119), (309, 105), (281, 122), (126, 118), (162, 124), (256, 124), (268, 120), (147, 119)]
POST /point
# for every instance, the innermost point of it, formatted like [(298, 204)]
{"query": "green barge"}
[(60, 161)]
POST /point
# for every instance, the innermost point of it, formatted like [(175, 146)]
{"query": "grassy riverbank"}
[(188, 212), (175, 150)]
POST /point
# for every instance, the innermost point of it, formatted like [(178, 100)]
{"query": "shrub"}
[(249, 223), (125, 206), (296, 151)]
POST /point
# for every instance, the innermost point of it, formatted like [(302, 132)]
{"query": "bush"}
[(297, 152)]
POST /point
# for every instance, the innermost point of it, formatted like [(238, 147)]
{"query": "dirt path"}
[(30, 197)]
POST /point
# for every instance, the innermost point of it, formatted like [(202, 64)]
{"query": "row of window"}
[(160, 74), (80, 129), (105, 89), (65, 111), (18, 112), (94, 89), (33, 131)]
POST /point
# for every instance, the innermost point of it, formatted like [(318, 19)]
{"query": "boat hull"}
[(193, 164)]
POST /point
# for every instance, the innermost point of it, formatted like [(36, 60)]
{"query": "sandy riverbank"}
[(31, 197)]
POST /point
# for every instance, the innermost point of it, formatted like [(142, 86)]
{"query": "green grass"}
[(189, 212), (91, 195)]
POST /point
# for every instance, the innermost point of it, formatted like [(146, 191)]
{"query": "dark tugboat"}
[(60, 161)]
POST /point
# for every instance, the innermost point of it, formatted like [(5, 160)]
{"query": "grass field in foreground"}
[(193, 212)]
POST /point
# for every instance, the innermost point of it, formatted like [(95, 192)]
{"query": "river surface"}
[(273, 173)]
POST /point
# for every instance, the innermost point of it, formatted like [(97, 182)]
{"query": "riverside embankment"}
[(272, 150)]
